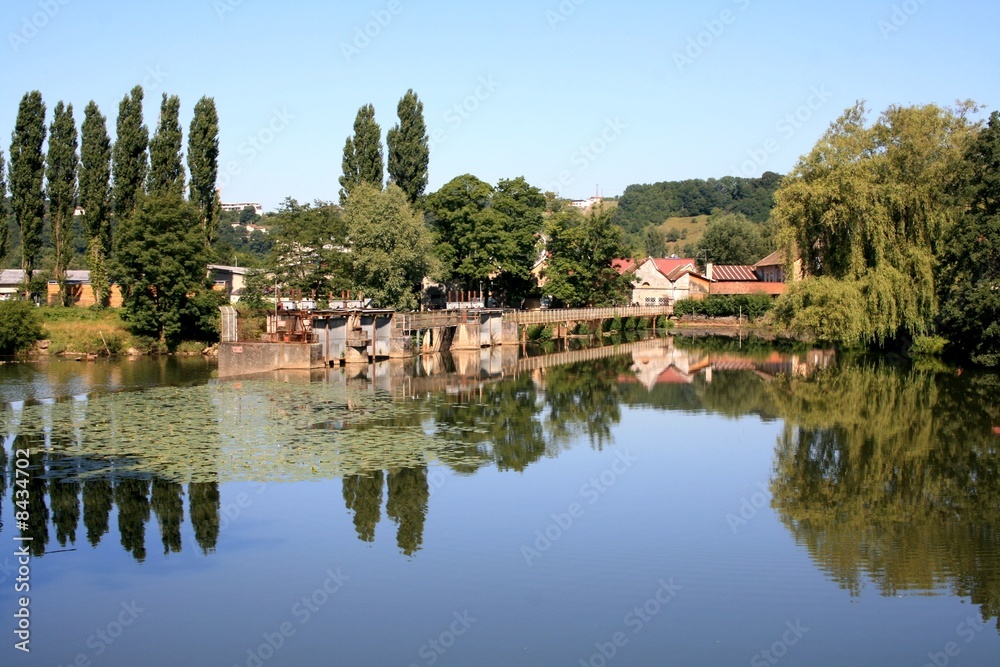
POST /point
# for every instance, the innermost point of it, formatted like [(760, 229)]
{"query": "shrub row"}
[(752, 306)]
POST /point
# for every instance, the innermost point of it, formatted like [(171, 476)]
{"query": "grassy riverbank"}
[(92, 331)]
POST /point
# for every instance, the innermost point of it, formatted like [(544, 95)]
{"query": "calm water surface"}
[(659, 503)]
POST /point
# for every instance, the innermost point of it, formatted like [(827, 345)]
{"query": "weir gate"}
[(305, 338)]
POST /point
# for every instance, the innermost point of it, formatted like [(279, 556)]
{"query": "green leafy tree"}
[(19, 326), (581, 250), (453, 213), (390, 246), (203, 162), (129, 159), (484, 233), (869, 205), (27, 169), (409, 153), (4, 234), (731, 238), (166, 164), (160, 263), (309, 252), (63, 163), (95, 197), (515, 222), (969, 280), (655, 242), (248, 215), (362, 154)]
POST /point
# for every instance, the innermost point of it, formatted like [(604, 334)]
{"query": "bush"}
[(19, 326), (928, 346), (751, 306), (630, 323)]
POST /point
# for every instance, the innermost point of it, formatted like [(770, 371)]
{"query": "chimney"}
[(708, 270)]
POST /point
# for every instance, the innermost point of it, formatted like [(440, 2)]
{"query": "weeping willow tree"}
[(866, 209)]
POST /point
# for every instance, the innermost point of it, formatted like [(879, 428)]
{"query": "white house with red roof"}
[(662, 281)]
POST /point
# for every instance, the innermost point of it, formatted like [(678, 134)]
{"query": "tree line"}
[(140, 230), (387, 235)]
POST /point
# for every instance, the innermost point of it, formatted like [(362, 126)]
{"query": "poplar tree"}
[(409, 152), (203, 162), (27, 168), (129, 162), (63, 163), (362, 154), (3, 208), (95, 198), (166, 165)]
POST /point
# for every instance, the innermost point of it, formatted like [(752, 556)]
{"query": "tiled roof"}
[(776, 258), (729, 272), (623, 266), (674, 266), (11, 277)]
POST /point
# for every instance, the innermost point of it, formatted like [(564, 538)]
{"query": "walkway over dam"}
[(316, 339)]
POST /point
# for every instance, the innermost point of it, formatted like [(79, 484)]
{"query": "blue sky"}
[(570, 94)]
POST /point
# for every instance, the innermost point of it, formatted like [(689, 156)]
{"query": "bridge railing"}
[(548, 316)]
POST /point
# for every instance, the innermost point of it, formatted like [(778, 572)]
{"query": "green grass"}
[(693, 227), (80, 329)]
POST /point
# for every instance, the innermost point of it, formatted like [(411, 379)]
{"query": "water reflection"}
[(893, 477), (884, 476)]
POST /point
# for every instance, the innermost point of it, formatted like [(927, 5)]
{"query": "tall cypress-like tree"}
[(27, 169), (203, 162), (3, 208), (63, 163), (362, 154), (409, 152), (166, 164), (95, 198), (129, 162)]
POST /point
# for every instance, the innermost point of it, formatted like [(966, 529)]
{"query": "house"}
[(229, 279), (740, 279), (239, 206), (585, 204), (80, 290), (11, 282), (772, 268), (662, 281)]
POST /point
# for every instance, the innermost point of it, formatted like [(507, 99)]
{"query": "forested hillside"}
[(644, 205)]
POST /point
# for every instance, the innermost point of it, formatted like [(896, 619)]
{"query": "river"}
[(665, 502)]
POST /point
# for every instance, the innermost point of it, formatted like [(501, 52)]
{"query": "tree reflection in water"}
[(894, 476)]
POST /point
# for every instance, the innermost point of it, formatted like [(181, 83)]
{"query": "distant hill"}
[(644, 205)]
